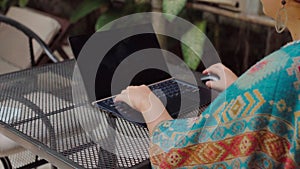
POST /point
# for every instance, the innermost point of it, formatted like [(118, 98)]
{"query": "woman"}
[(258, 125)]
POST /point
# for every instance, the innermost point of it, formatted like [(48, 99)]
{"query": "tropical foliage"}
[(113, 9), (110, 9)]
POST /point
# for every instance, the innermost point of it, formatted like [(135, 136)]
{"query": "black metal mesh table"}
[(38, 112)]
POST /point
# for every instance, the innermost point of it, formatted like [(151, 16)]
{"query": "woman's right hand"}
[(143, 100), (227, 77)]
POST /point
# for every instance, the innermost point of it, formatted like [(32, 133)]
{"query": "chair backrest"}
[(24, 37)]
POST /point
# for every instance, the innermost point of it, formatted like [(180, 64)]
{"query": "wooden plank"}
[(262, 20)]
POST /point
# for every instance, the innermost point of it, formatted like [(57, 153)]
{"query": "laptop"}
[(173, 92)]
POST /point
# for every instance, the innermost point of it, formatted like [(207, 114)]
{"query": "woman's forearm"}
[(160, 116), (156, 113)]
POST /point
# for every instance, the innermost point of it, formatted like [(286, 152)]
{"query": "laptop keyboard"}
[(172, 88), (169, 89)]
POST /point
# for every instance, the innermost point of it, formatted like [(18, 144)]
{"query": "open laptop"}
[(171, 91)]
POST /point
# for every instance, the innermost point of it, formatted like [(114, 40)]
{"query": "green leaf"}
[(195, 40), (3, 4), (23, 3), (107, 17), (142, 7), (85, 8), (136, 8), (173, 7)]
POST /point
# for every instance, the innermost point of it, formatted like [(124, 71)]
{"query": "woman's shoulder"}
[(292, 49), (268, 70)]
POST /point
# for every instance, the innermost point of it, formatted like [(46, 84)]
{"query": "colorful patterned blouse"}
[(255, 123)]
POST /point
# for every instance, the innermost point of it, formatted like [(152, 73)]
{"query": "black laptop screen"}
[(119, 53)]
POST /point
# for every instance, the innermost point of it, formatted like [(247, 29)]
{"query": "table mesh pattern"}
[(38, 105)]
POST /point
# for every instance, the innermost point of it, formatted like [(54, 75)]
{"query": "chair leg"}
[(6, 162), (62, 53)]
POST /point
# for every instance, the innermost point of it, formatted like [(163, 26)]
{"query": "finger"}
[(216, 70), (217, 65), (130, 87), (209, 69), (124, 91), (215, 85), (211, 85), (117, 98), (121, 98), (205, 71), (208, 84)]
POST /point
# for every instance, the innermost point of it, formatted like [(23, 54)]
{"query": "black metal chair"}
[(32, 36), (46, 51)]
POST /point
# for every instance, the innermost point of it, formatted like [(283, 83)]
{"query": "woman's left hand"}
[(227, 77)]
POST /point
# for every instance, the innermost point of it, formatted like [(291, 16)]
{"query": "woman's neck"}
[(294, 22), (294, 29)]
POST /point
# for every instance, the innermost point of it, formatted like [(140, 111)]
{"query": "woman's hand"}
[(136, 97), (143, 100), (227, 77)]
